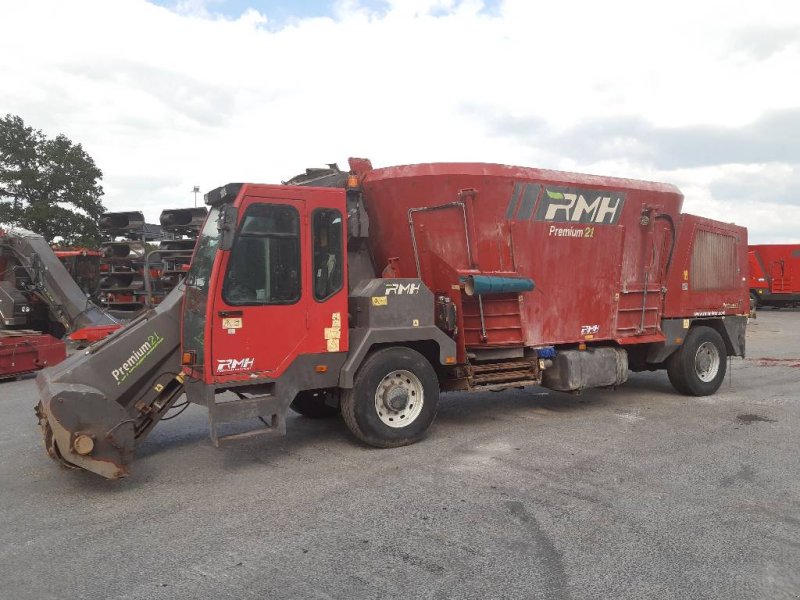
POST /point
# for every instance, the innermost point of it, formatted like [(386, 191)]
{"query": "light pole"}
[(196, 190)]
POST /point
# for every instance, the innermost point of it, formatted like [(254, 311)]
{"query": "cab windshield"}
[(197, 282), (203, 259)]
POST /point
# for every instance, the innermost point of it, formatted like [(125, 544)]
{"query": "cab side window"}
[(327, 230), (264, 267)]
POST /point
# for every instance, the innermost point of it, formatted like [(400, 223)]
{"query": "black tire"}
[(388, 369), (698, 367), (311, 404)]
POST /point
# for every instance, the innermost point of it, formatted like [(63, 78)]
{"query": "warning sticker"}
[(333, 333), (232, 323)]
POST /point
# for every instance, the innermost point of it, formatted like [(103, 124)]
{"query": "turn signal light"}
[(187, 358), (581, 346), (321, 368), (449, 360)]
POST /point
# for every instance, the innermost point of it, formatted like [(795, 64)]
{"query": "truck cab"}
[(266, 315), (266, 295), (267, 284)]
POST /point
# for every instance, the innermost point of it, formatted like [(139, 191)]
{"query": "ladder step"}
[(265, 408), (504, 376), (499, 375), (506, 385), (504, 366), (503, 328), (266, 429), (244, 408), (490, 315)]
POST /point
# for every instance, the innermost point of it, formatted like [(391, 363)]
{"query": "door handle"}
[(230, 313)]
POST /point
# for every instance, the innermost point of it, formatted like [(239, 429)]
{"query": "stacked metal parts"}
[(143, 262), (122, 286), (181, 226)]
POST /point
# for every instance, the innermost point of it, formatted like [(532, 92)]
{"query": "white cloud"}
[(164, 100)]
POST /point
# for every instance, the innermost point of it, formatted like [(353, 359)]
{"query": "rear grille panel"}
[(713, 262)]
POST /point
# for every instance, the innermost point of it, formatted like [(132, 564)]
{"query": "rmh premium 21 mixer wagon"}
[(370, 291)]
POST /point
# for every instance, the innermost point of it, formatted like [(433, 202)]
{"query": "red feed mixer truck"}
[(370, 292), (774, 275)]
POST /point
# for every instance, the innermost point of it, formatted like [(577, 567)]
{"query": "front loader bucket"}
[(129, 249), (122, 280), (99, 404), (119, 223), (183, 220), (184, 246)]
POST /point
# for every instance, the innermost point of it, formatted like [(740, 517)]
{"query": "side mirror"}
[(226, 225)]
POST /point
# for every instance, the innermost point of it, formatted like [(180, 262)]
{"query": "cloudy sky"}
[(169, 94)]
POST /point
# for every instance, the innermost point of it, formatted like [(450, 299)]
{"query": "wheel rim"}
[(706, 362), (399, 399)]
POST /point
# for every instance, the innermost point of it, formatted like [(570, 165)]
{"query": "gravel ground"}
[(633, 493)]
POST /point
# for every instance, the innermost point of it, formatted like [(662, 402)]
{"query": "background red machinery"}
[(774, 275), (84, 266), (43, 297)]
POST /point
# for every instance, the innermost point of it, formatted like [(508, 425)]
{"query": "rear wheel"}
[(311, 404), (698, 368), (394, 399)]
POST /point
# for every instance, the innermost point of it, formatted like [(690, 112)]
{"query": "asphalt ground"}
[(633, 493)]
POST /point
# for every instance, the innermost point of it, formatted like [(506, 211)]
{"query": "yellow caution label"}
[(379, 301)]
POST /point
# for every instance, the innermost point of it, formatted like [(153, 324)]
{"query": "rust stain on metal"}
[(777, 362)]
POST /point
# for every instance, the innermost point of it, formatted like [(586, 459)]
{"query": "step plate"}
[(501, 375), (264, 408)]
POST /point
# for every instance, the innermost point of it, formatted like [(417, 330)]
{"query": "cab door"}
[(268, 306), (259, 314)]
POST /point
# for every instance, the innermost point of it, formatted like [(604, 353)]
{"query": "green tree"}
[(50, 186)]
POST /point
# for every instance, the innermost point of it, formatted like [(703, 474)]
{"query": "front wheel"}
[(698, 367), (394, 399)]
